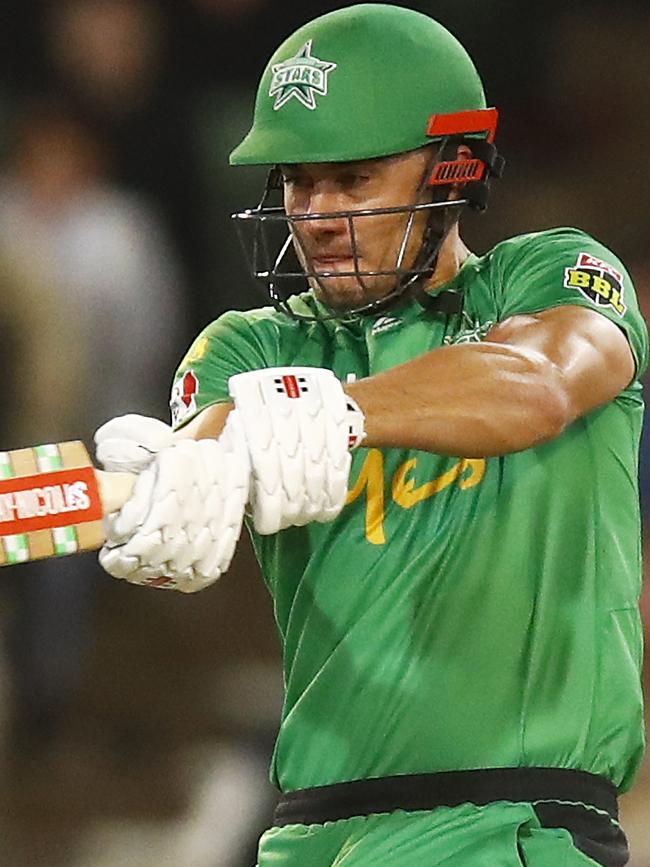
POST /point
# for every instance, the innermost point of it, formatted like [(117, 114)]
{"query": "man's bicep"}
[(590, 354)]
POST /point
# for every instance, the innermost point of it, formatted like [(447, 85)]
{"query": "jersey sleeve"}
[(229, 345), (568, 267)]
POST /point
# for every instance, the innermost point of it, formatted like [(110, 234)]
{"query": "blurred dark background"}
[(135, 726)]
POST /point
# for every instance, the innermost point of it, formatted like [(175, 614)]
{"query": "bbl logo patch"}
[(183, 399), (598, 281), (301, 76)]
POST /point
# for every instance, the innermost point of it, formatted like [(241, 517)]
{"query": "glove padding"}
[(180, 527), (298, 425), (129, 443)]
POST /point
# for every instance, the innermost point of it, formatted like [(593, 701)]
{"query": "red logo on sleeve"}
[(190, 388), (586, 259), (183, 399)]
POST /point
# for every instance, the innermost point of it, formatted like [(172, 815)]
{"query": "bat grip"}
[(114, 489)]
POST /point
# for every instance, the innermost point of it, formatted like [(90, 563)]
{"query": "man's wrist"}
[(356, 423)]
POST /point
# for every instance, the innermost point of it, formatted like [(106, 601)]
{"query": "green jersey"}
[(459, 613)]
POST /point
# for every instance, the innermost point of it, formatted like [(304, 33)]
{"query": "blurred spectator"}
[(99, 255), (110, 58), (94, 308)]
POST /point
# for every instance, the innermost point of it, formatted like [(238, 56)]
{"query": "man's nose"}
[(325, 201)]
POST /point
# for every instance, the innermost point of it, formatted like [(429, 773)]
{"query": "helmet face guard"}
[(361, 83), (280, 271), (271, 238)]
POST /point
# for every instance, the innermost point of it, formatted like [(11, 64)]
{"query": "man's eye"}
[(294, 181), (353, 179)]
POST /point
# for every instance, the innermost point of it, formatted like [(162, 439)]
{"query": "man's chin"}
[(345, 293)]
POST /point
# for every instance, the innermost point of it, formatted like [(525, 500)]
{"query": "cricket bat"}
[(52, 501)]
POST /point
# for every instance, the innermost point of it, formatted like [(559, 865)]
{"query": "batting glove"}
[(180, 527), (129, 443), (299, 426)]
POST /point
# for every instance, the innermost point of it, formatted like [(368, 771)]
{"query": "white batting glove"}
[(180, 527), (299, 427), (129, 443)]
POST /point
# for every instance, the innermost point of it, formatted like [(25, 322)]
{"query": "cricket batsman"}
[(436, 455)]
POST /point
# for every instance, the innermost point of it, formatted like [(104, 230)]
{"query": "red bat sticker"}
[(48, 500)]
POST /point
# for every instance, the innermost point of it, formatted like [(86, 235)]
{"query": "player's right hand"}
[(299, 426), (180, 527)]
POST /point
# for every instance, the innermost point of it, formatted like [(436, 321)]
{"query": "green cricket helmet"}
[(368, 81)]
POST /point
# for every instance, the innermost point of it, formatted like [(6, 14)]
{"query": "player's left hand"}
[(129, 443), (299, 426)]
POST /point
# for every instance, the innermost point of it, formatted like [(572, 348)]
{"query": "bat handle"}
[(114, 489)]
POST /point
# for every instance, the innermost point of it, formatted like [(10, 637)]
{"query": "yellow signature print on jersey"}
[(467, 473), (598, 281)]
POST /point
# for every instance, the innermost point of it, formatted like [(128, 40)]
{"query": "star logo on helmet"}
[(302, 76)]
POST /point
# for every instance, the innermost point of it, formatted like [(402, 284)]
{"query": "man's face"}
[(326, 246)]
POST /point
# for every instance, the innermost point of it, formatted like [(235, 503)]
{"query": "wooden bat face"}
[(50, 503)]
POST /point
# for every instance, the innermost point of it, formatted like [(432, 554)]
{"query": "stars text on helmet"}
[(302, 76)]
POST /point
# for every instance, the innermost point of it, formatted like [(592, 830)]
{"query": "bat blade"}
[(52, 501)]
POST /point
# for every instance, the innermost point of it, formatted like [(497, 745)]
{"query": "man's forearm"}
[(471, 400)]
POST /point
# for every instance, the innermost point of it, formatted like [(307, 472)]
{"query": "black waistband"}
[(446, 789)]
